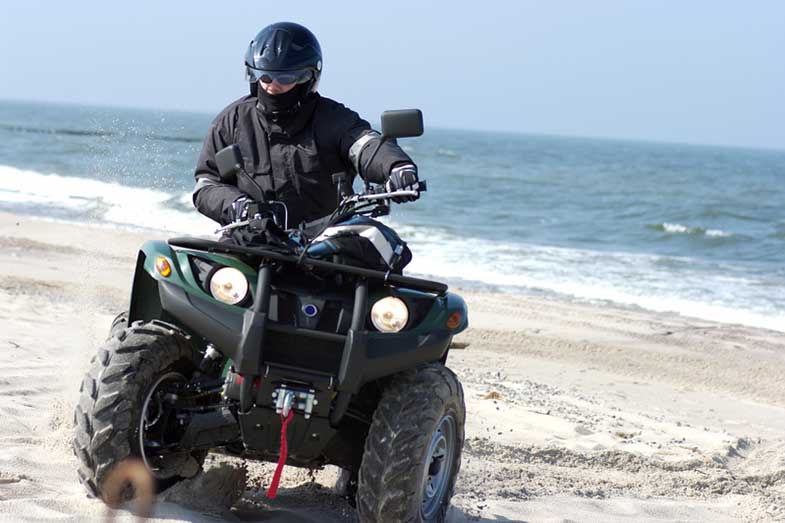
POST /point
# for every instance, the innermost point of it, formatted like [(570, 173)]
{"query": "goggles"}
[(282, 77)]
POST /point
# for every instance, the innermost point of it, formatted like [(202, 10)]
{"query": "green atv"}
[(295, 353)]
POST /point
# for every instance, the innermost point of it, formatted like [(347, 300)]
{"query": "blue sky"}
[(696, 72)]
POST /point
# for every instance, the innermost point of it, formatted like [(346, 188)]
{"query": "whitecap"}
[(675, 228), (678, 228)]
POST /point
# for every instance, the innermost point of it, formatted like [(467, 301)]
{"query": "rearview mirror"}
[(229, 161), (402, 123)]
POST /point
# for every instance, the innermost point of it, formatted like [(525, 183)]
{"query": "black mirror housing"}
[(402, 123), (229, 161)]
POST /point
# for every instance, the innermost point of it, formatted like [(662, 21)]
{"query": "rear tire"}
[(109, 414), (413, 450)]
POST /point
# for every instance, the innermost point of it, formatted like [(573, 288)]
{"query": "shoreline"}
[(599, 412), (463, 286)]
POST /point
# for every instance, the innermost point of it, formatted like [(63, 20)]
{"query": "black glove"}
[(403, 177), (239, 209)]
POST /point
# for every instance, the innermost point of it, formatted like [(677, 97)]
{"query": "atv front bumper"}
[(259, 343)]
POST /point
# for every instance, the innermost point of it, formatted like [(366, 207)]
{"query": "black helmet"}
[(286, 52)]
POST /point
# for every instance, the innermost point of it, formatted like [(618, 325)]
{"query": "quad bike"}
[(271, 353)]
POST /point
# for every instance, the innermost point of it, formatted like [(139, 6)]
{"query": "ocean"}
[(698, 230)]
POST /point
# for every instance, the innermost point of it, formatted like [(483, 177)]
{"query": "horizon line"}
[(651, 141)]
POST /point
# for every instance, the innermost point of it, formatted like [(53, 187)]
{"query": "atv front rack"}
[(388, 277)]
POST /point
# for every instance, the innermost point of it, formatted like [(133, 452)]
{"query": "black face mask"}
[(282, 104)]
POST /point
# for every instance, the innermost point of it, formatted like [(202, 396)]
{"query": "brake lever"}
[(387, 195), (371, 194)]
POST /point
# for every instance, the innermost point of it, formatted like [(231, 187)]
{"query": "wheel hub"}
[(159, 453), (438, 466)]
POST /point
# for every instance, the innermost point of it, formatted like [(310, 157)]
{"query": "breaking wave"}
[(677, 228), (690, 286)]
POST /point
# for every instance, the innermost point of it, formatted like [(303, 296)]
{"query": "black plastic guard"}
[(212, 322), (354, 355), (370, 356), (367, 355), (145, 303), (250, 353), (306, 438)]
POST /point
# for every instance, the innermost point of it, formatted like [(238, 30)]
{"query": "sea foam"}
[(96, 201), (684, 285)]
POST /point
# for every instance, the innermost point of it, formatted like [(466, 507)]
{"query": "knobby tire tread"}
[(412, 404), (111, 393)]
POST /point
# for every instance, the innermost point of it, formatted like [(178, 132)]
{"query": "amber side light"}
[(454, 321), (163, 267)]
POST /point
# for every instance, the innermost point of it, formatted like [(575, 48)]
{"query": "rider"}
[(292, 139)]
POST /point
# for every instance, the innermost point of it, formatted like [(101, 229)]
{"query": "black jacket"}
[(291, 160)]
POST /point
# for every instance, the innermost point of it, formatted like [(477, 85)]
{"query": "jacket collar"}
[(292, 123)]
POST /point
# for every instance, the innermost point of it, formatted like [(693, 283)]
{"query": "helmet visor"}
[(282, 77)]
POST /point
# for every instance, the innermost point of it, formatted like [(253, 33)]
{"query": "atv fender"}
[(145, 294), (145, 304)]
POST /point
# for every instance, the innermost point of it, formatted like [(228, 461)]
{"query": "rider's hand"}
[(239, 210), (403, 177)]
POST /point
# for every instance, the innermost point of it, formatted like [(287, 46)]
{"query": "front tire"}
[(413, 450), (119, 324), (115, 395)]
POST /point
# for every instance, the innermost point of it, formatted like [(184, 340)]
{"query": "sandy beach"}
[(575, 412)]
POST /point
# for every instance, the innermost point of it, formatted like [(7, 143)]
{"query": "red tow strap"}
[(273, 490)]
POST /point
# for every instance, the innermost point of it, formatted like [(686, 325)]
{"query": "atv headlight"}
[(229, 285), (389, 314)]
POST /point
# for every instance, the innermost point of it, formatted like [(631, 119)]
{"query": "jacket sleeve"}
[(211, 196), (356, 144)]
